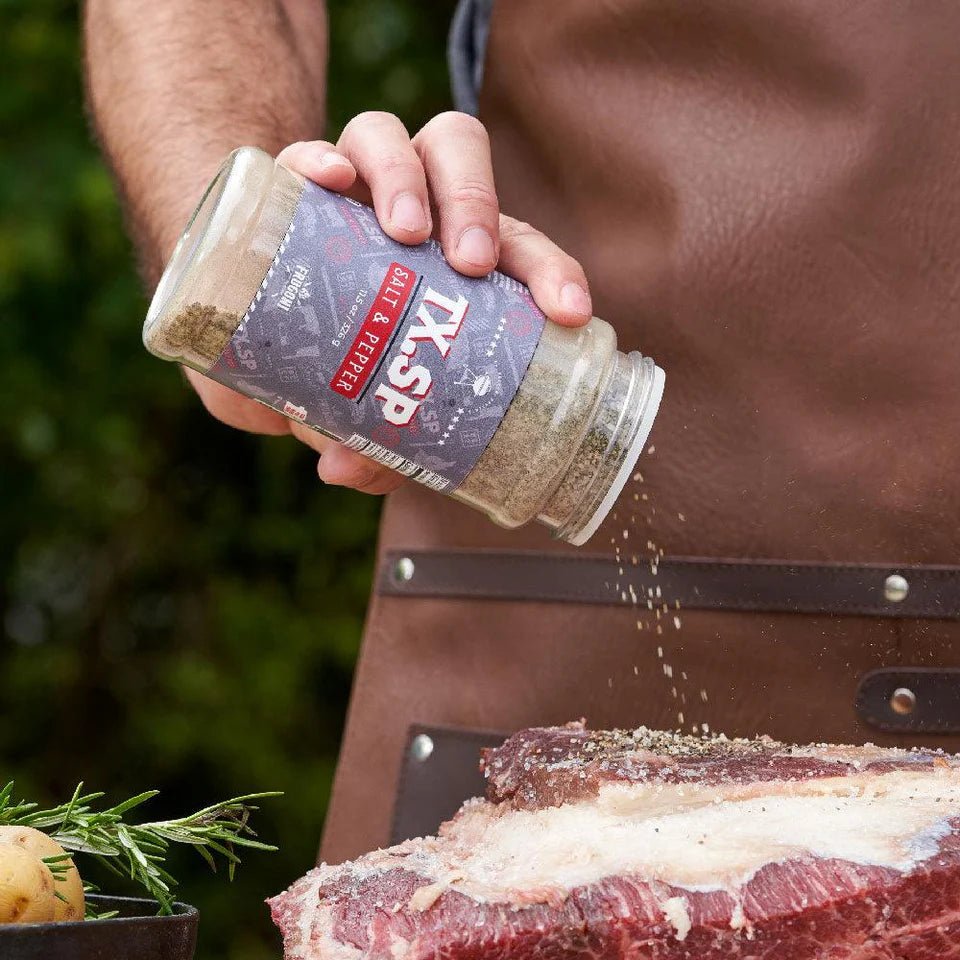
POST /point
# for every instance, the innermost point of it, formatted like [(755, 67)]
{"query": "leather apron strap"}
[(677, 583), (895, 700)]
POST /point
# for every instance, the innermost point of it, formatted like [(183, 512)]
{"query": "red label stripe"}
[(375, 332)]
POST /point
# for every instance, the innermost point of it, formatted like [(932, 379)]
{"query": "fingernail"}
[(575, 299), (333, 160), (408, 214), (476, 247)]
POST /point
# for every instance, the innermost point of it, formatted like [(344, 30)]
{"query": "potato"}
[(26, 887), (68, 885)]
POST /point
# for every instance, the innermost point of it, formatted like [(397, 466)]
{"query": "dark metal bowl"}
[(136, 934)]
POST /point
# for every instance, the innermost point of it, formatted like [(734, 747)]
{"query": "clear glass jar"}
[(568, 441)]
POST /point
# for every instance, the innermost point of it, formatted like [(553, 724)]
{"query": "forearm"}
[(174, 85)]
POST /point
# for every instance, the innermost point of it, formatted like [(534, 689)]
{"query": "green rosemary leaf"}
[(121, 808), (138, 851), (91, 913), (207, 856)]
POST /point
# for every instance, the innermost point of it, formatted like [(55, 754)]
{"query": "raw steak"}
[(652, 846)]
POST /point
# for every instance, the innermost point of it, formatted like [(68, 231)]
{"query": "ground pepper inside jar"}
[(203, 329), (543, 429), (564, 438)]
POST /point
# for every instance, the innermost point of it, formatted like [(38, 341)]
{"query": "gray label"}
[(382, 346)]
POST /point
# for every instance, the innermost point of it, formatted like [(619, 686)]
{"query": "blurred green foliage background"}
[(181, 605)]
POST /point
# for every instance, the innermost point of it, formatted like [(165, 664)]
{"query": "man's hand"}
[(439, 183)]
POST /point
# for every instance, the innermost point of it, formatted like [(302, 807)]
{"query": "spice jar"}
[(294, 296)]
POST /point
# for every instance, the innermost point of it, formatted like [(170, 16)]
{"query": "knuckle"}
[(372, 119), (474, 192), (563, 265), (553, 266), (451, 121), (570, 266), (399, 164), (464, 122), (514, 230)]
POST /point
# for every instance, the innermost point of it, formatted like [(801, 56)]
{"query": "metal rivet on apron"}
[(903, 701), (895, 588), (403, 570), (421, 747)]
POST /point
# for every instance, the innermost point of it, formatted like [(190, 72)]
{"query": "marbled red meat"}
[(650, 846)]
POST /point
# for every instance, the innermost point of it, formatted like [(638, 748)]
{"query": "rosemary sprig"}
[(140, 850)]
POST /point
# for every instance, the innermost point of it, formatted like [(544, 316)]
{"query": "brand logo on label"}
[(297, 289), (438, 322)]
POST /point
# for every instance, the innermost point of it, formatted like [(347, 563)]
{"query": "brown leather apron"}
[(765, 195)]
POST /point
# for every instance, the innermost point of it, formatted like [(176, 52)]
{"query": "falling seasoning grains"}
[(659, 606)]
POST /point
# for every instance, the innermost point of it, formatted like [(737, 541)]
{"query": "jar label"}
[(382, 346)]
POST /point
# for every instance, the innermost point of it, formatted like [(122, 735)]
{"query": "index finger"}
[(321, 162)]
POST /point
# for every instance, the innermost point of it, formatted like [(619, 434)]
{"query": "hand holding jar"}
[(298, 297), (440, 184)]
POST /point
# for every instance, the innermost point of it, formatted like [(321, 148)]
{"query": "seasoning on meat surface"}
[(653, 845)]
